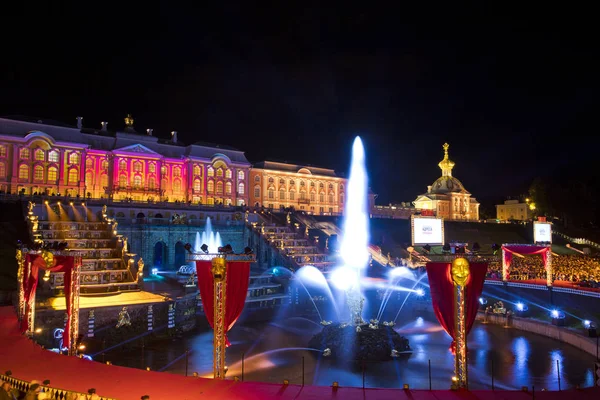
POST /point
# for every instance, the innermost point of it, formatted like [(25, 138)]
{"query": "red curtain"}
[(30, 281), (524, 250), (442, 294), (238, 277)]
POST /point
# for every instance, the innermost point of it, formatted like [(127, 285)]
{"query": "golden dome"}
[(446, 164)]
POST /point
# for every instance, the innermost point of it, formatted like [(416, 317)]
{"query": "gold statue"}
[(460, 271), (140, 266), (104, 211), (129, 121), (218, 269), (48, 258)]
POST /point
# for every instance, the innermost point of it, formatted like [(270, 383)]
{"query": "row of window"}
[(292, 183), (51, 174), (302, 195)]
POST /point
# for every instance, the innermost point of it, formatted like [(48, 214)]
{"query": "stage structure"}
[(521, 250), (427, 231), (30, 263), (455, 290), (223, 283)]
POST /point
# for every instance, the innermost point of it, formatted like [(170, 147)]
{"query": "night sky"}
[(510, 89)]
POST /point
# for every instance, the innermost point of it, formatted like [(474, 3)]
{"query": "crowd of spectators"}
[(583, 270)]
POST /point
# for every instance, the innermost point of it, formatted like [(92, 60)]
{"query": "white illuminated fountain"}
[(209, 238), (355, 338)]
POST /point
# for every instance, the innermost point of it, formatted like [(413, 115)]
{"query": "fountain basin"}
[(368, 344)]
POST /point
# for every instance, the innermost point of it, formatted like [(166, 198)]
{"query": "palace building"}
[(279, 185), (447, 197), (47, 157)]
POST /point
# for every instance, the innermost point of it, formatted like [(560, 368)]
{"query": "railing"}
[(51, 392)]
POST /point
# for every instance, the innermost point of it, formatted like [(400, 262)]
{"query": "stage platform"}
[(27, 361)]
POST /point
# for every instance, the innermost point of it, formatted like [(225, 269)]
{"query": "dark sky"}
[(510, 89)]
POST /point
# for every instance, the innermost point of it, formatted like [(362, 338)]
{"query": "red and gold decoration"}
[(455, 289), (521, 250), (223, 282), (48, 261)]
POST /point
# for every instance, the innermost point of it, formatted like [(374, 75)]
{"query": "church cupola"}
[(446, 164)]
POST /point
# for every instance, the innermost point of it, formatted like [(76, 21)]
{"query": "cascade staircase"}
[(106, 265), (294, 244)]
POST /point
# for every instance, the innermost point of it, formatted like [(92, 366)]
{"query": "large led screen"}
[(542, 232), (427, 231)]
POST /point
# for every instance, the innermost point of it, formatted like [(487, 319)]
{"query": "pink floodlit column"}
[(504, 266)]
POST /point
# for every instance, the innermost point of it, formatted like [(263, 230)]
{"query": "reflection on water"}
[(274, 351)]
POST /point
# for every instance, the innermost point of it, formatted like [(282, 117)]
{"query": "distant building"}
[(513, 210), (47, 157), (447, 197), (279, 185), (394, 211)]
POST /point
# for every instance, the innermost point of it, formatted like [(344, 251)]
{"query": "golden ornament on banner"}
[(460, 271), (218, 268), (48, 258)]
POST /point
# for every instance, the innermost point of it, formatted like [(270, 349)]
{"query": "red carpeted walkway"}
[(28, 361)]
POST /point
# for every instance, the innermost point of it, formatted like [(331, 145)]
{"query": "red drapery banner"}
[(30, 281), (238, 276), (442, 294), (523, 250)]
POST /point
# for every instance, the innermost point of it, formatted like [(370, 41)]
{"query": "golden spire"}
[(129, 121), (446, 164)]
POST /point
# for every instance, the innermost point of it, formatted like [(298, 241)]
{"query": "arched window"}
[(302, 184), (219, 188), (342, 198), (104, 165), (241, 175), (89, 178), (152, 168), (73, 176), (292, 194), (210, 171), (196, 170), (53, 156), (74, 158), (177, 172), (38, 173), (210, 187), (241, 188), (282, 194), (23, 171), (163, 170), (24, 154), (104, 181), (219, 172), (271, 180), (2, 151), (322, 197), (281, 182), (312, 196), (89, 163), (257, 191), (152, 183), (39, 155), (257, 179), (137, 166), (331, 186), (52, 174), (228, 173), (292, 183), (321, 186), (228, 188), (177, 185), (312, 184), (197, 185), (122, 180), (271, 193), (122, 165), (2, 170), (164, 182), (137, 181)]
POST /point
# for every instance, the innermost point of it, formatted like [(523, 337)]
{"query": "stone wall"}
[(143, 238), (565, 335)]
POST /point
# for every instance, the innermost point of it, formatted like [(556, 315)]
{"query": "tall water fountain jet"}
[(209, 238), (355, 234)]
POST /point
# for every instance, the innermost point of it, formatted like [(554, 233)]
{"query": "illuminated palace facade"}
[(447, 197), (51, 158), (279, 185)]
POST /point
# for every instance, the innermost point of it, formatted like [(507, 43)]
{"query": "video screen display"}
[(542, 232), (428, 231)]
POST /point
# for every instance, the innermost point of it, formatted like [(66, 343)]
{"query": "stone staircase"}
[(293, 243), (107, 267)]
